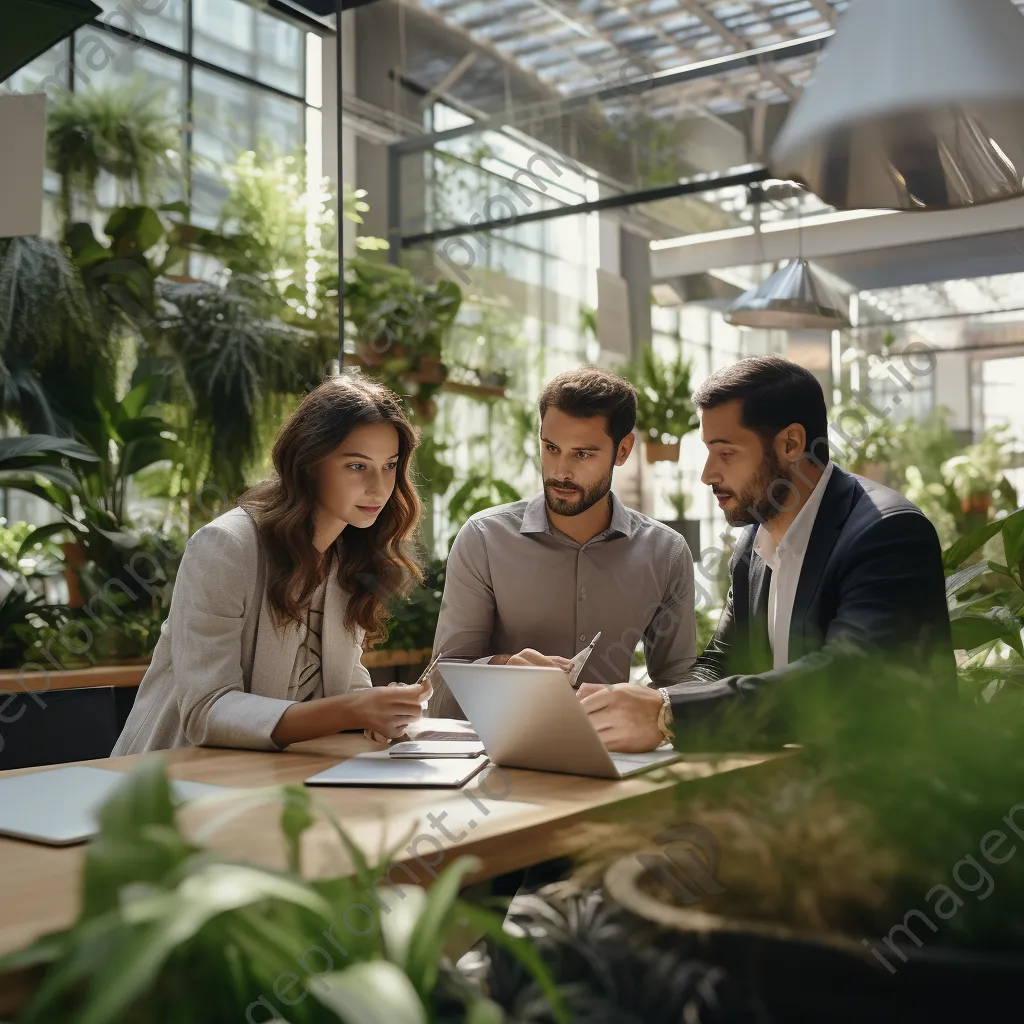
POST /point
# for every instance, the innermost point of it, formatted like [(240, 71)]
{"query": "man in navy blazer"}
[(828, 563)]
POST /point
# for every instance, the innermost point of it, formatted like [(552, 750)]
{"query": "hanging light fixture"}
[(915, 105), (793, 298)]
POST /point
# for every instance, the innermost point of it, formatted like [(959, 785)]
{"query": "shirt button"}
[(583, 636)]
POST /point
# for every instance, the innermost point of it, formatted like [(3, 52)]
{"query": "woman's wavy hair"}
[(376, 565)]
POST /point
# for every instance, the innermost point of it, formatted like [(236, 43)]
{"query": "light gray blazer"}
[(220, 672)]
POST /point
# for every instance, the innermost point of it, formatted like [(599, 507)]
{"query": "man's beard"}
[(587, 498), (758, 502)]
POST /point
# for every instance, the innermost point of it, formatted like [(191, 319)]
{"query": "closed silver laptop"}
[(530, 717)]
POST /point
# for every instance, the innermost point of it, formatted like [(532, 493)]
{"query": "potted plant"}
[(121, 132), (665, 411), (871, 440), (680, 500), (976, 475), (827, 884)]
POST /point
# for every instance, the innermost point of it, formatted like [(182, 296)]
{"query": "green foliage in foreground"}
[(169, 932)]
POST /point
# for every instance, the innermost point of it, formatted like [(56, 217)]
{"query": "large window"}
[(234, 76)]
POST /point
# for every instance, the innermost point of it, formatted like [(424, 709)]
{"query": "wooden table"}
[(509, 818)]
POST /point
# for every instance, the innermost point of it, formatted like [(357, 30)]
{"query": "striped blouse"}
[(307, 681)]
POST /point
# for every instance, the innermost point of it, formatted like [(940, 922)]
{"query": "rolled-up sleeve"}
[(206, 617), (670, 641)]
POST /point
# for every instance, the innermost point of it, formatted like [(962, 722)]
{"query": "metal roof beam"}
[(739, 43)]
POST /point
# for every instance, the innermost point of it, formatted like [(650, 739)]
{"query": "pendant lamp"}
[(793, 298), (915, 105)]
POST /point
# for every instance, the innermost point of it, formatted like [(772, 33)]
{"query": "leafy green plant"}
[(39, 559), (44, 466), (169, 931), (476, 493), (125, 435), (121, 273), (987, 608), (413, 622), (665, 412), (123, 132), (18, 605), (433, 472), (46, 324), (234, 357), (871, 440), (926, 444), (398, 329), (895, 783), (354, 205), (965, 491), (680, 501)]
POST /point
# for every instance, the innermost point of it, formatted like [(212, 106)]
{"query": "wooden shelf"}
[(453, 387), (474, 390), (392, 659), (15, 681)]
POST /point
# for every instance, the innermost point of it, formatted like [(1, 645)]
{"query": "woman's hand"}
[(386, 711)]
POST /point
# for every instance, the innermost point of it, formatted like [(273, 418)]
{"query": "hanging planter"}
[(656, 451)]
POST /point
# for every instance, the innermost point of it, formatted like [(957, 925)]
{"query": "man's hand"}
[(532, 657), (625, 715)]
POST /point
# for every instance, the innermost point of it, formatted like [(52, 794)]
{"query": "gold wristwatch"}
[(665, 717)]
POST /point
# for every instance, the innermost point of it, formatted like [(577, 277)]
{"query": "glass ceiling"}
[(579, 46)]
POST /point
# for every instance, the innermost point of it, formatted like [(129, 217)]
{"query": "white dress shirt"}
[(786, 561)]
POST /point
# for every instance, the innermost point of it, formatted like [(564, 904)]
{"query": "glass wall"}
[(524, 288), (233, 76)]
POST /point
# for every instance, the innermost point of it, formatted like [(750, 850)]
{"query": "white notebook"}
[(378, 768), (58, 806)]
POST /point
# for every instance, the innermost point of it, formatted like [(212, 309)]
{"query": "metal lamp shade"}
[(32, 26), (792, 299), (916, 105)]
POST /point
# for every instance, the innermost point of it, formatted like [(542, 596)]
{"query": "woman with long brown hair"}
[(274, 600)]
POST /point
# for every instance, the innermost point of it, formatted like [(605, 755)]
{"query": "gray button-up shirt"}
[(514, 581)]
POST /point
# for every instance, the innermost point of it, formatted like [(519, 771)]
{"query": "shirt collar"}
[(535, 517), (798, 535)]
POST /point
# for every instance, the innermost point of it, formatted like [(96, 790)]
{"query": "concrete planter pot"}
[(657, 452), (805, 978)]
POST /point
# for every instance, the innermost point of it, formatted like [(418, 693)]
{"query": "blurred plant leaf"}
[(378, 992)]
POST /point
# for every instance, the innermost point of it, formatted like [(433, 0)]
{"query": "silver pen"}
[(579, 660)]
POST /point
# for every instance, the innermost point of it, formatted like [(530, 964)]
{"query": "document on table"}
[(378, 768)]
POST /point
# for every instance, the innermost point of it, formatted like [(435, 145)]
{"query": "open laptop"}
[(530, 717)]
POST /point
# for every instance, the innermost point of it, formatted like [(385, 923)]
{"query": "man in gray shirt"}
[(532, 583)]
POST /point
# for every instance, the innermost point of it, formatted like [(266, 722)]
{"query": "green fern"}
[(124, 132)]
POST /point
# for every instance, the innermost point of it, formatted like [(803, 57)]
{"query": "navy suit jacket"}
[(872, 580)]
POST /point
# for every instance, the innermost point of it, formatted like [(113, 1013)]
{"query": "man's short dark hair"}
[(590, 391), (774, 393)]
